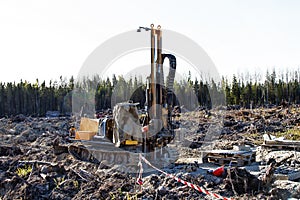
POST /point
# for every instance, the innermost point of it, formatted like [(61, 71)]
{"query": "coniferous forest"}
[(35, 99)]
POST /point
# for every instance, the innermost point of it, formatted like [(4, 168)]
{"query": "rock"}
[(296, 192), (162, 190), (9, 150), (279, 193), (11, 131), (20, 128), (213, 180), (45, 169), (32, 138), (19, 118), (191, 168)]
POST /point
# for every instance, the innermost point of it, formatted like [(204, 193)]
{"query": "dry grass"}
[(291, 134)]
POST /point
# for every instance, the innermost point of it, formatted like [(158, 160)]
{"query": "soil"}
[(29, 169)]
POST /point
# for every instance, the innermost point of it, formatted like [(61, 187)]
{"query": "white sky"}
[(45, 39)]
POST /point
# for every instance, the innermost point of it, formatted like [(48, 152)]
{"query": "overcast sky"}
[(45, 39)]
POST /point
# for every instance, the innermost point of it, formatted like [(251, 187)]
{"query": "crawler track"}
[(125, 161)]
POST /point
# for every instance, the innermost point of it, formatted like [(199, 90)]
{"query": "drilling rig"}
[(119, 139)]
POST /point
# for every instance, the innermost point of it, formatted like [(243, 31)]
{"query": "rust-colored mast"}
[(156, 71), (159, 72), (153, 72)]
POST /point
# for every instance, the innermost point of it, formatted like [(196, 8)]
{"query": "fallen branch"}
[(284, 159), (38, 162)]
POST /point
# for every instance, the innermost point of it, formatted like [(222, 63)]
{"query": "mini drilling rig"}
[(160, 98), (120, 138)]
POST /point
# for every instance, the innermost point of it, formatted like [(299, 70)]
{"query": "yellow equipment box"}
[(88, 129)]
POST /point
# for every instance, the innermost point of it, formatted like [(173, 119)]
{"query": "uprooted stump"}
[(240, 181)]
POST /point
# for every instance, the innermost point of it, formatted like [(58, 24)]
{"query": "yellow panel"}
[(84, 135), (131, 142)]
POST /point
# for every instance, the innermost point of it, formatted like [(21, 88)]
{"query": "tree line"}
[(274, 90), (35, 99)]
